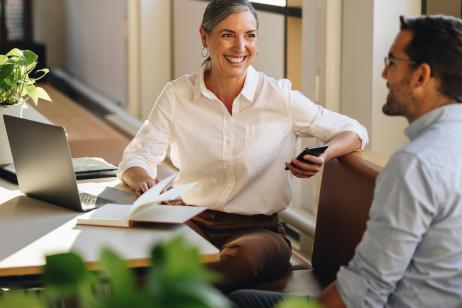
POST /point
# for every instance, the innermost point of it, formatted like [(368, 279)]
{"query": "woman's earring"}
[(204, 52)]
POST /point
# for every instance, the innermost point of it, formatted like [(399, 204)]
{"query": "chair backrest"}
[(345, 198)]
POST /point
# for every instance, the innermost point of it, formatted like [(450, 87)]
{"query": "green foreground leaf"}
[(298, 302)]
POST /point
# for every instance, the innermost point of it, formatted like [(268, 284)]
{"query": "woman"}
[(233, 130)]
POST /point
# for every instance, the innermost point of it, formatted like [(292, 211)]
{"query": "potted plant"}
[(16, 87)]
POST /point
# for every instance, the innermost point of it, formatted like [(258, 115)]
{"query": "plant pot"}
[(5, 153)]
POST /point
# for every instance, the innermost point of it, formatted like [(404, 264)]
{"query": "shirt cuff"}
[(352, 288), (124, 165)]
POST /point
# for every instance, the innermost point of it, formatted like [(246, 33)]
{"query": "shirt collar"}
[(250, 84), (248, 90), (446, 113)]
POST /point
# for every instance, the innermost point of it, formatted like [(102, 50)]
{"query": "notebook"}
[(84, 168), (146, 208), (43, 164)]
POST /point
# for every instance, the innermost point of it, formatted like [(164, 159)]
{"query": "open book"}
[(146, 208)]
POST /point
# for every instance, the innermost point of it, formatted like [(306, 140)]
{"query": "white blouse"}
[(236, 160)]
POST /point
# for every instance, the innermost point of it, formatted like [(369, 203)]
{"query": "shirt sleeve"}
[(149, 147), (312, 120), (402, 211)]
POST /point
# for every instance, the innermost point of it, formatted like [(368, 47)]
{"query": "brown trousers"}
[(252, 248)]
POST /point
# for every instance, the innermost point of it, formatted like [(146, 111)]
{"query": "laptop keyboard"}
[(90, 201)]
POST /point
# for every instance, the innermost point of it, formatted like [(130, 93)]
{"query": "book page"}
[(171, 214), (152, 195), (170, 194)]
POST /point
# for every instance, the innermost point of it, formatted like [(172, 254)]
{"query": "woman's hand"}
[(138, 179), (145, 185), (306, 170), (343, 143)]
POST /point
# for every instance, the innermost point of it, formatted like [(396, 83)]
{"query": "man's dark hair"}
[(437, 41)]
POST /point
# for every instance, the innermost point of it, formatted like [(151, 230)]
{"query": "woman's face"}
[(232, 44)]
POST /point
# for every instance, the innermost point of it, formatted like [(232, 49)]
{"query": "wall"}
[(369, 28), (50, 28), (96, 46), (321, 56), (387, 132), (155, 66)]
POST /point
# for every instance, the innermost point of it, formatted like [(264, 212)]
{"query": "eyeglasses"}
[(389, 61)]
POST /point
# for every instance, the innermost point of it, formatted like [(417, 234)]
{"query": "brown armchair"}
[(345, 198)]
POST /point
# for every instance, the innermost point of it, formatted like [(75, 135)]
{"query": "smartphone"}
[(312, 150)]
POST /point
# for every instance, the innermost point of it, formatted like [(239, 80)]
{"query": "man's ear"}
[(203, 34), (422, 75)]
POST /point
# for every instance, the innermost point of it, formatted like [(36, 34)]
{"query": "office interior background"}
[(121, 53)]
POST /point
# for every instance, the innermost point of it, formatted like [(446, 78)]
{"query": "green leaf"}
[(15, 299), (44, 71), (15, 52), (41, 93), (66, 269), (117, 271), (178, 278), (132, 299), (3, 59), (298, 302), (6, 70), (32, 92), (31, 58)]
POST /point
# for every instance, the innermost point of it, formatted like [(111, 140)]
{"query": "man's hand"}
[(306, 170)]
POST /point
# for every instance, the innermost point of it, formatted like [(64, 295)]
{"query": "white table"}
[(31, 229)]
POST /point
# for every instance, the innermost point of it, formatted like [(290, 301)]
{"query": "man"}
[(411, 252)]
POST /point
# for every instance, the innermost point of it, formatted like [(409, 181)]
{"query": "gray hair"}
[(218, 10)]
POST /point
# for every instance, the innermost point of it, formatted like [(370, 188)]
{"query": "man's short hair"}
[(437, 41)]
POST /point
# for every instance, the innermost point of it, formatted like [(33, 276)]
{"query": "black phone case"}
[(315, 151)]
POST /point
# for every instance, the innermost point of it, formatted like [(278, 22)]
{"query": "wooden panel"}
[(294, 51)]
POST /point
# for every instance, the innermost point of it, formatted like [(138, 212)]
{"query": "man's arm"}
[(401, 214), (330, 298)]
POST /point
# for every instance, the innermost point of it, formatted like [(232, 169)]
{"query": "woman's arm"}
[(138, 167), (342, 143)]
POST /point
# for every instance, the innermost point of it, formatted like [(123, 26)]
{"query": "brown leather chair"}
[(343, 210)]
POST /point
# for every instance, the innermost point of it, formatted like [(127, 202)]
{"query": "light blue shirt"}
[(411, 252)]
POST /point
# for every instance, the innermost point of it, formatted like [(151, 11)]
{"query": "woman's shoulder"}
[(184, 81), (273, 86), (279, 84)]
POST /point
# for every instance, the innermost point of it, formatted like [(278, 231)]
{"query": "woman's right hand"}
[(138, 179), (144, 186)]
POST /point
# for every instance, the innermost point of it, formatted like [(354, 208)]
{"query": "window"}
[(292, 10), (15, 20), (446, 7), (272, 2)]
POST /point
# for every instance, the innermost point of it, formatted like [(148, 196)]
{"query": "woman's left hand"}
[(306, 170)]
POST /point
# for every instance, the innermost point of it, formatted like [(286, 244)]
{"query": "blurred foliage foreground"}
[(175, 279)]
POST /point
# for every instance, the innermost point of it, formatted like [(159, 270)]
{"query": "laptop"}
[(44, 166)]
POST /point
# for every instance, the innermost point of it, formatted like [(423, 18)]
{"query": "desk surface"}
[(31, 229)]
